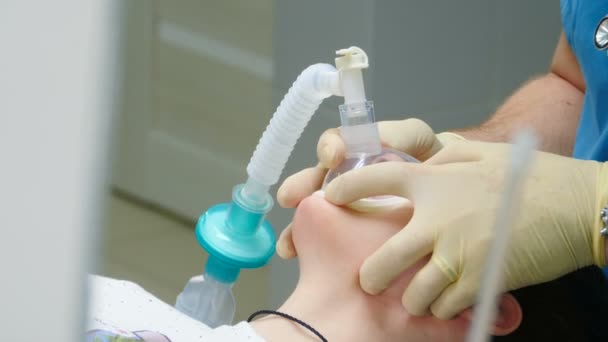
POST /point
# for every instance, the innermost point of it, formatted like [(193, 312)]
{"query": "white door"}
[(197, 96)]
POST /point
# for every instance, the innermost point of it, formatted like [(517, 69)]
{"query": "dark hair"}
[(570, 308)]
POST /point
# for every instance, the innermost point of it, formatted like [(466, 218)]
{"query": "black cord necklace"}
[(284, 315)]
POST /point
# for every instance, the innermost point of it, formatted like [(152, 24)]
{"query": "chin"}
[(429, 328)]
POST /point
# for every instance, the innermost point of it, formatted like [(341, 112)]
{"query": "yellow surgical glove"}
[(411, 136), (456, 194)]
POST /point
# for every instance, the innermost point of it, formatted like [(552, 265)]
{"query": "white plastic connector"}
[(352, 58), (358, 128), (349, 66), (330, 80)]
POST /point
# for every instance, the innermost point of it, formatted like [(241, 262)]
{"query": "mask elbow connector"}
[(329, 81), (350, 65), (359, 129)]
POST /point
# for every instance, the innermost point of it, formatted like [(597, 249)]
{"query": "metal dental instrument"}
[(484, 314)]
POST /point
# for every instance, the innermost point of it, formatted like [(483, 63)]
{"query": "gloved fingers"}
[(285, 247), (456, 152), (331, 148), (300, 185), (388, 178), (426, 285), (454, 299), (396, 255), (412, 136), (448, 137)]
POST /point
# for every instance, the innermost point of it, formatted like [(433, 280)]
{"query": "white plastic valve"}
[(352, 58), (349, 66)]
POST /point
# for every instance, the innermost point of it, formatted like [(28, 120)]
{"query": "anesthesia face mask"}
[(363, 148), (376, 203)]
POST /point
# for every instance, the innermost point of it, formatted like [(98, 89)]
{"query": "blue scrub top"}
[(580, 19)]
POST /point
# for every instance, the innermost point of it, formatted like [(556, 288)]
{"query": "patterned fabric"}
[(121, 311)]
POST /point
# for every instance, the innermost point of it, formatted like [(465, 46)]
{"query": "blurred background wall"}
[(202, 79)]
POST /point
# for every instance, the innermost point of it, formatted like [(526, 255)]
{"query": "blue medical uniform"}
[(580, 19)]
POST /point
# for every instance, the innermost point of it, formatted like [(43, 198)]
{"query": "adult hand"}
[(455, 195), (412, 136)]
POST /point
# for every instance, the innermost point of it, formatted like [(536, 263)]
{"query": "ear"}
[(509, 316)]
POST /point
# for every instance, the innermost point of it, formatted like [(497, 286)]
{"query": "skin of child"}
[(332, 242)]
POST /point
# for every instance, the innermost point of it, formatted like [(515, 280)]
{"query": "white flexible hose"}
[(484, 314), (315, 83)]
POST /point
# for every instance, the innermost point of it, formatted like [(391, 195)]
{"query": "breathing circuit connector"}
[(236, 235)]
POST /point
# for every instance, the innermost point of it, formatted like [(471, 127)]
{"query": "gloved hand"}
[(456, 194), (412, 136)]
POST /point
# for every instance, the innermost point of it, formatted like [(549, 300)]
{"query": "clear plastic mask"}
[(377, 203)]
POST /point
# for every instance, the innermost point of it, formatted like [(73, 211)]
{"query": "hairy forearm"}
[(549, 104)]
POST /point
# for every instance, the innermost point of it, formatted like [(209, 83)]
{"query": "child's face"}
[(332, 243)]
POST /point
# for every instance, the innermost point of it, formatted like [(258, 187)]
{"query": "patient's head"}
[(332, 243)]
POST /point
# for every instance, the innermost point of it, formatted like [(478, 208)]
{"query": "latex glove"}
[(412, 136), (456, 194)]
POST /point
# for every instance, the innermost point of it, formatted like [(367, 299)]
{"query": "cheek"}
[(314, 233), (394, 292), (332, 239), (428, 328), (310, 223), (323, 227)]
